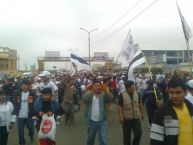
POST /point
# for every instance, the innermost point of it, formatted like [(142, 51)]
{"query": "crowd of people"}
[(167, 99)]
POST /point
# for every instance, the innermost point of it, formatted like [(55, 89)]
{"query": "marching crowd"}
[(40, 101)]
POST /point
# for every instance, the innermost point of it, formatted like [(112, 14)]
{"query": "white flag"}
[(137, 60), (186, 28), (128, 50), (81, 64)]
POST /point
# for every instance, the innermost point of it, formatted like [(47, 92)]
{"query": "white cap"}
[(45, 74), (99, 77), (190, 84)]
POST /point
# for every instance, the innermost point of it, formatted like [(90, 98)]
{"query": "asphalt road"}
[(77, 135)]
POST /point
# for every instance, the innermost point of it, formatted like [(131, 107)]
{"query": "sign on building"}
[(52, 54), (100, 56)]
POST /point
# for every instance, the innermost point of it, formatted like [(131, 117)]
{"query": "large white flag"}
[(80, 63), (137, 60), (185, 26), (128, 50)]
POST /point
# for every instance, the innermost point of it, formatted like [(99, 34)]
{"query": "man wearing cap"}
[(130, 112), (47, 83), (189, 95)]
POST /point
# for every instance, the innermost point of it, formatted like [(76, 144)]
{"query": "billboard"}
[(100, 56), (52, 54)]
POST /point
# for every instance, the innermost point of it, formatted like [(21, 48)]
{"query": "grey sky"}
[(34, 26)]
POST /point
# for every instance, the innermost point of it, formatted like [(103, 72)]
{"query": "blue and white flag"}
[(137, 60), (81, 64)]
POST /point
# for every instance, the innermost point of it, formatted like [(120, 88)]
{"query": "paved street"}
[(67, 135)]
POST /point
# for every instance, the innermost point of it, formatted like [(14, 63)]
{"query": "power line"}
[(125, 14), (108, 36)]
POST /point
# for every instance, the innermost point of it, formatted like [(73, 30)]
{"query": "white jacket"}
[(189, 97), (9, 117)]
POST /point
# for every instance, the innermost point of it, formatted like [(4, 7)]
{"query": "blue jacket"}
[(38, 105)]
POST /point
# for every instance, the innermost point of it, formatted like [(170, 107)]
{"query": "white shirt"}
[(23, 113), (95, 113), (3, 115), (121, 86), (50, 84), (6, 116), (143, 84), (189, 97)]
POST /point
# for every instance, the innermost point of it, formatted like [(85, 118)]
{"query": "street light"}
[(88, 41)]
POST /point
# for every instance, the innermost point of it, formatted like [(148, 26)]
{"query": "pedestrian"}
[(163, 86), (114, 85), (173, 121), (189, 95), (96, 112), (70, 98), (150, 100), (142, 85), (130, 113), (9, 87), (23, 108), (7, 118), (46, 82), (45, 105)]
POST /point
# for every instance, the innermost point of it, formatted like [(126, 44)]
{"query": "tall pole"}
[(88, 32), (89, 48)]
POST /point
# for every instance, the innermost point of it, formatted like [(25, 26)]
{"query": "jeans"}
[(3, 135), (95, 126), (128, 126), (29, 123)]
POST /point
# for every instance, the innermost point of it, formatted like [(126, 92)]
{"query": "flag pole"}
[(187, 35), (150, 73)]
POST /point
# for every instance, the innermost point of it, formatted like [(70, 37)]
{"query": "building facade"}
[(8, 59), (168, 57)]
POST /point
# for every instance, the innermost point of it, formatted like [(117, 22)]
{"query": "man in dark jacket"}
[(150, 100), (23, 108), (173, 121)]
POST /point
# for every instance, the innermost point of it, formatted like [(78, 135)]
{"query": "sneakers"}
[(58, 120)]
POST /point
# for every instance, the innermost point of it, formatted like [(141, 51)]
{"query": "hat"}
[(190, 84), (45, 74)]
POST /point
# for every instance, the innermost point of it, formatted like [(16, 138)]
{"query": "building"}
[(168, 57), (8, 59)]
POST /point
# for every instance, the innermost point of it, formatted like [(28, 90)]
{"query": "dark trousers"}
[(3, 135), (150, 112), (29, 123), (128, 126)]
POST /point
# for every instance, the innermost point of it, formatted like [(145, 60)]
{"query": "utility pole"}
[(88, 32)]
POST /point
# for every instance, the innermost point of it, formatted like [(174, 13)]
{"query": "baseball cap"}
[(45, 74)]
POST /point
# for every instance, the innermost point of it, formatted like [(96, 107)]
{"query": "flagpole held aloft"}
[(150, 73), (187, 34)]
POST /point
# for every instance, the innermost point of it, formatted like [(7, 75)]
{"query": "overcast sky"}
[(34, 26)]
